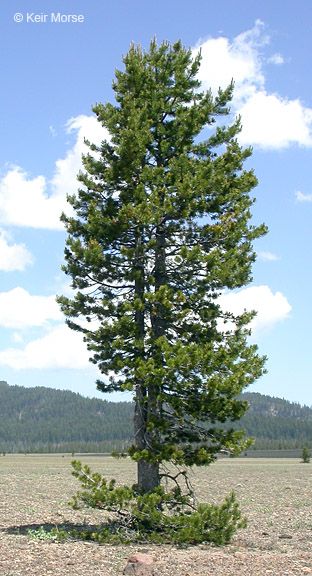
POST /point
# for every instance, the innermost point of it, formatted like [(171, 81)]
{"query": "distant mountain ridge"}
[(276, 423), (47, 420), (43, 419)]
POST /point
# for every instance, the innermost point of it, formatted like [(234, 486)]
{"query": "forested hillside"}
[(276, 423), (46, 420)]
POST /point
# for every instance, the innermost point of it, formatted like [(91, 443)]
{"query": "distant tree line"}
[(276, 423), (46, 420)]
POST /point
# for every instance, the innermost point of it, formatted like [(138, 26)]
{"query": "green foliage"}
[(53, 534), (98, 493), (158, 516), (160, 229), (306, 455)]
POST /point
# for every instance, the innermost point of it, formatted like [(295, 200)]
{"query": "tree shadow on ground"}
[(57, 532)]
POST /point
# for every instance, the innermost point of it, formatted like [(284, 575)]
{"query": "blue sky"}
[(53, 72)]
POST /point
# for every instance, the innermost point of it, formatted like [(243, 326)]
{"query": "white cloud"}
[(24, 201), (270, 307), (269, 120), (59, 348), (301, 197), (64, 180), (239, 60), (13, 256), (277, 59), (17, 337), (38, 203), (267, 256), (19, 309)]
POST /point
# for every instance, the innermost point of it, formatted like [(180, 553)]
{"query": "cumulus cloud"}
[(13, 256), (59, 348), (19, 309), (64, 180), (301, 197), (269, 120), (239, 60), (37, 202), (271, 307), (17, 337)]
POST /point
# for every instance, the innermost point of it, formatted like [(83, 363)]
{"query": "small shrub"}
[(306, 456), (159, 516)]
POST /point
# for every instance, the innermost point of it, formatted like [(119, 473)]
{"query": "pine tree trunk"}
[(148, 476), (146, 403), (147, 473)]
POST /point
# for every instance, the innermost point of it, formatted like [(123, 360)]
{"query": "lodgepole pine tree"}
[(161, 227)]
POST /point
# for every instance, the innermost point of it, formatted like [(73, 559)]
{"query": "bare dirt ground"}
[(275, 495)]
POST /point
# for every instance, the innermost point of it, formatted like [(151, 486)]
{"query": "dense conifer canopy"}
[(161, 227)]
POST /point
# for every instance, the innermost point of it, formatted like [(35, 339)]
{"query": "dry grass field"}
[(275, 495)]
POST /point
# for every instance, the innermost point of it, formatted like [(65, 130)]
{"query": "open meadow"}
[(275, 496)]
